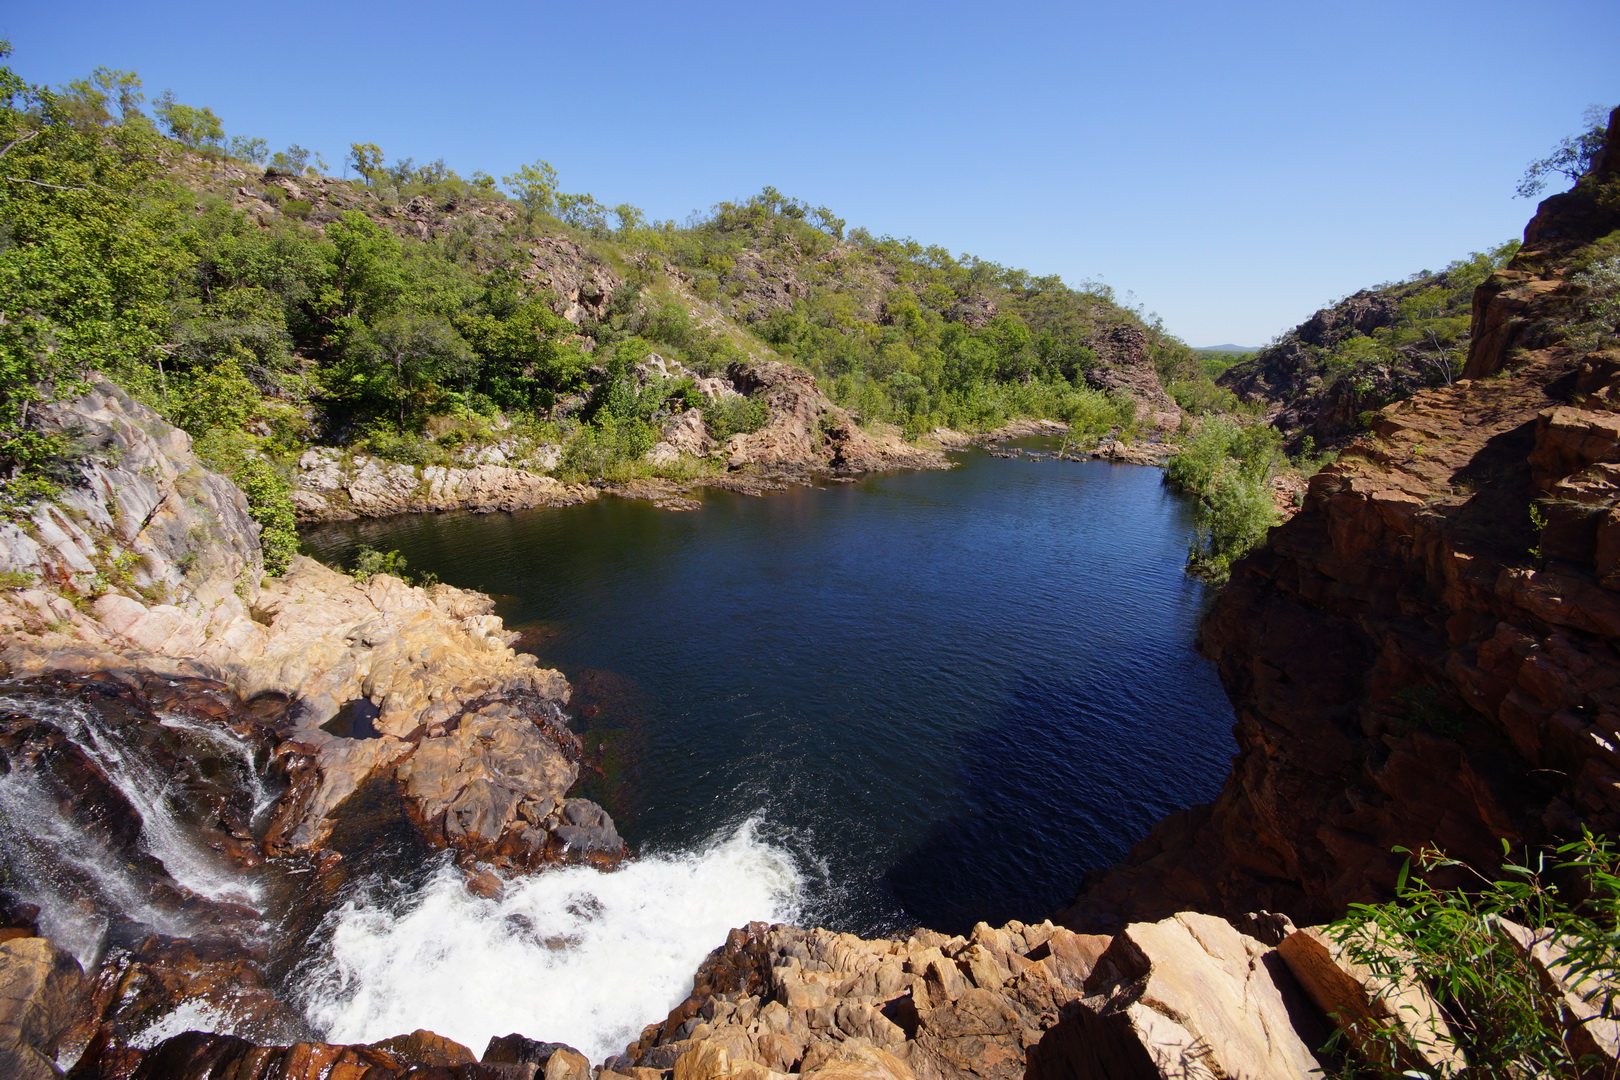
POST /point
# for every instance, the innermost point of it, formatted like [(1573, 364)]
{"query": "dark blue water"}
[(952, 694)]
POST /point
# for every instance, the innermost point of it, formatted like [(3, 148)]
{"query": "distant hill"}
[(1227, 348)]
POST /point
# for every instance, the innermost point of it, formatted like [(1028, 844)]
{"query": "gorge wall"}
[(1413, 659)]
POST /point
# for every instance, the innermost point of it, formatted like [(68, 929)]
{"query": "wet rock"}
[(517, 1049), (139, 981), (423, 1047), (202, 1056), (39, 991)]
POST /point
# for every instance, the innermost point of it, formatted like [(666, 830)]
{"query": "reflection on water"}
[(948, 695)]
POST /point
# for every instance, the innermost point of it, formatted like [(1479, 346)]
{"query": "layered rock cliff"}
[(1424, 655)]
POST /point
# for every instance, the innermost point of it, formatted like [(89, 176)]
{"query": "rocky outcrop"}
[(582, 283), (333, 485), (1187, 996), (805, 430), (148, 525), (1414, 659), (1124, 368), (1303, 397)]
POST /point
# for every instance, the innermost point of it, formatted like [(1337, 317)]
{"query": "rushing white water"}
[(72, 876), (568, 955), (163, 833), (189, 1016)]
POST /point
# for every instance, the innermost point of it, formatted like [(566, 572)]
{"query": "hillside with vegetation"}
[(419, 317)]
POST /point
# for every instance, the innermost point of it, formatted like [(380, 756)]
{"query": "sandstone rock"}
[(1361, 1003), (782, 999), (1125, 369), (39, 990), (707, 1060), (687, 434), (423, 1047), (165, 544), (1587, 1003), (1189, 996), (853, 1059), (805, 429), (336, 486), (567, 1064)]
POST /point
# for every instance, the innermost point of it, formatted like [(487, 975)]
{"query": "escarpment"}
[(1424, 655)]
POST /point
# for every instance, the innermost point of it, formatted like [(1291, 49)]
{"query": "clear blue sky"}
[(1231, 166)]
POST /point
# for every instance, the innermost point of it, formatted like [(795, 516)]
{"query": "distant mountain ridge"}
[(1226, 348)]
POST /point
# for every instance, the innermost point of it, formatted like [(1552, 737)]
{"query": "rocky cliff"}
[(1424, 656)]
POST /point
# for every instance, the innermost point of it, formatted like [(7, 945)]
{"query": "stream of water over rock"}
[(922, 698)]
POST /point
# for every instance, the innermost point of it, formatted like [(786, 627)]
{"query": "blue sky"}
[(1231, 167)]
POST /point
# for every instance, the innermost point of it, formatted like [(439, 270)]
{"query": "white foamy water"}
[(569, 955), (164, 834), (188, 1016)]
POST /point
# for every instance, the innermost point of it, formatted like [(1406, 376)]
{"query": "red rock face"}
[(1414, 660)]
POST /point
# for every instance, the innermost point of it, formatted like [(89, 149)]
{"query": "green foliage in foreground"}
[(1509, 1024)]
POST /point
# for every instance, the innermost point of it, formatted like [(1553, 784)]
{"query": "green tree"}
[(367, 159), (1572, 158), (200, 129), (535, 187), (254, 150), (93, 241), (367, 279), (92, 101)]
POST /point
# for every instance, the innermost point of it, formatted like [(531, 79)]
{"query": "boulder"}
[(39, 991), (1186, 997)]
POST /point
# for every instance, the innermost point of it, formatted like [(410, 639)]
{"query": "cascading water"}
[(572, 954), (77, 882), (164, 833), (569, 954), (233, 749)]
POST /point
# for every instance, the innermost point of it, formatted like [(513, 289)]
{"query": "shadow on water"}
[(612, 711), (1048, 792)]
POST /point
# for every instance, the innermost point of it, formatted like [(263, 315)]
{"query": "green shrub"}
[(1228, 466), (1230, 522), (726, 417), (1509, 1023), (609, 449), (240, 457)]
